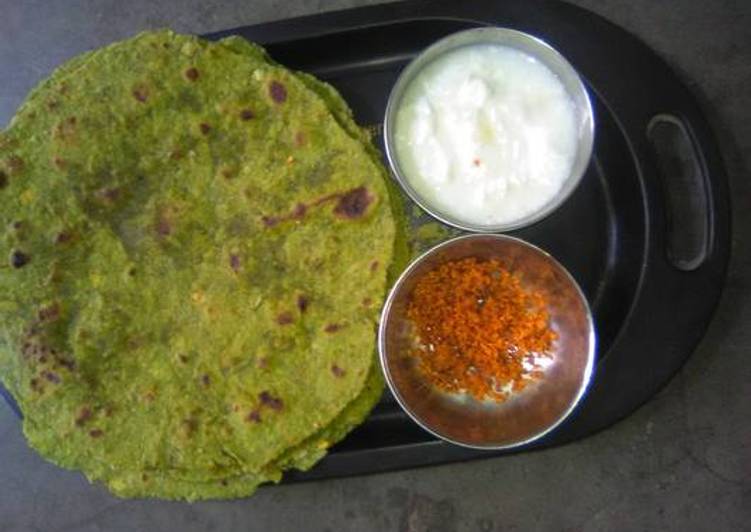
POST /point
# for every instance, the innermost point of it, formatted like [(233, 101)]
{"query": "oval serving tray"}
[(646, 234)]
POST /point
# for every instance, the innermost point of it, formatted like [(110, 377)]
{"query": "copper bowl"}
[(526, 415)]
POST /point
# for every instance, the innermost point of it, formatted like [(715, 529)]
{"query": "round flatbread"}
[(197, 250)]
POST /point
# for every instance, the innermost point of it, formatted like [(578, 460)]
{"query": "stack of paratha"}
[(195, 244)]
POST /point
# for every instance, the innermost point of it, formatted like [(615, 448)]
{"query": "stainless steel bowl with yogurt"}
[(489, 129)]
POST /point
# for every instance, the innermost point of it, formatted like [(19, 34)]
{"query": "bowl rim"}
[(484, 35), (383, 357)]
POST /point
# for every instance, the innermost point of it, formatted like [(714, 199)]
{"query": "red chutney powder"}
[(476, 327)]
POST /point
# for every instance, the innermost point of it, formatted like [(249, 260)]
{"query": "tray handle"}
[(683, 175)]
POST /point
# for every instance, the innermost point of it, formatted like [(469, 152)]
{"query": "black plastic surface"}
[(685, 190), (612, 234)]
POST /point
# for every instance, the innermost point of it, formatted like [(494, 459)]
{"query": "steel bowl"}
[(526, 415), (532, 46)]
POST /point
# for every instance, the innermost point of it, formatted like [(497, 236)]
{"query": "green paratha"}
[(305, 455), (302, 457), (204, 250)]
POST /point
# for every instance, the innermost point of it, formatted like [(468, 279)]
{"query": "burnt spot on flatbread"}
[(65, 129), (299, 212), (51, 376), (331, 328), (254, 416), (278, 92), (270, 401), (191, 74), (140, 93), (83, 415), (96, 433), (37, 351), (49, 313), (205, 128), (35, 385), (3, 179), (19, 259), (353, 204), (234, 262), (302, 303), (270, 221), (337, 371), (284, 318), (34, 348), (68, 364), (63, 236), (247, 114), (349, 205)]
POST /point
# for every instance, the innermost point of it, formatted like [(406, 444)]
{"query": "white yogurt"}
[(486, 134)]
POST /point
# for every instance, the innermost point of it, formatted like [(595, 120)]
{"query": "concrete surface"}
[(682, 462)]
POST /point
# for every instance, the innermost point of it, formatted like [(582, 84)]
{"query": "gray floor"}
[(682, 462)]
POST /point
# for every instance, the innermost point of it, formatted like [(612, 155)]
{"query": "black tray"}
[(646, 234)]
